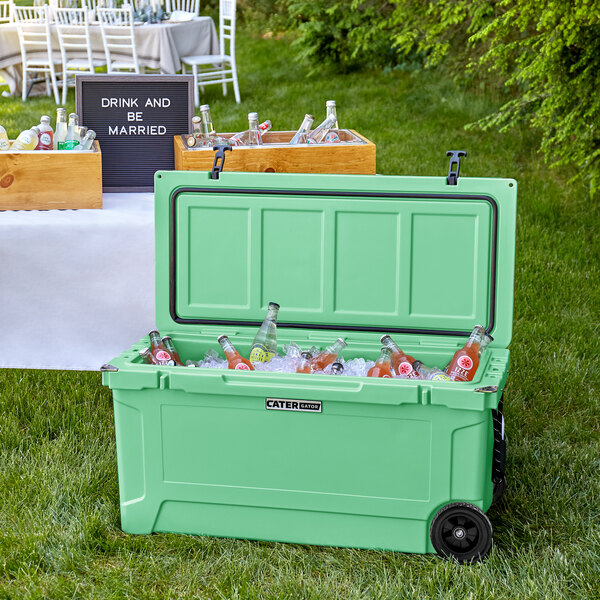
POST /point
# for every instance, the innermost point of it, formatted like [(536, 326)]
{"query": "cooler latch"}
[(219, 161), (454, 168)]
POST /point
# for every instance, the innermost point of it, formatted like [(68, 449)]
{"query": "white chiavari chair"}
[(119, 39), (190, 6), (217, 68), (33, 27), (72, 26), (6, 11)]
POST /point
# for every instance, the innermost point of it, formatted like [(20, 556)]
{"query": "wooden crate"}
[(277, 156), (44, 179)]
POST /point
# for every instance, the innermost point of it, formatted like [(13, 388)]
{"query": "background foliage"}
[(544, 55)]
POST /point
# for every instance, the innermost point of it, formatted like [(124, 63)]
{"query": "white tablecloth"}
[(76, 286), (159, 46)]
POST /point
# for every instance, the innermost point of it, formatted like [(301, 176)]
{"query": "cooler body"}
[(317, 459)]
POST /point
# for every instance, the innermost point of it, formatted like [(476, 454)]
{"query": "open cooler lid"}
[(343, 252)]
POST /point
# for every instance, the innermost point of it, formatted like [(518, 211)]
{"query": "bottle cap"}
[(45, 119), (337, 367), (196, 119), (222, 337), (342, 341), (273, 305), (306, 355), (330, 103), (144, 350), (384, 336), (73, 116), (253, 115), (91, 133), (204, 107), (191, 141), (36, 129), (417, 365)]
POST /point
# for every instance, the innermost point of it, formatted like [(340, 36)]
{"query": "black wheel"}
[(461, 531), (499, 489)]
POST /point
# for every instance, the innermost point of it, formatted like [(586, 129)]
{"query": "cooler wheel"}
[(461, 531)]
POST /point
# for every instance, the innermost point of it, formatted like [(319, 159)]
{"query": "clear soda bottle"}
[(61, 128), (193, 139), (383, 366), (4, 143), (159, 351), (208, 135), (253, 135), (465, 361), (325, 358), (87, 142), (317, 135), (27, 140), (304, 365), (72, 138), (332, 111), (402, 363), (46, 139), (302, 133), (170, 346), (264, 345), (235, 360), (429, 373)]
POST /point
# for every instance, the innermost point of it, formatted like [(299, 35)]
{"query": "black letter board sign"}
[(135, 118)]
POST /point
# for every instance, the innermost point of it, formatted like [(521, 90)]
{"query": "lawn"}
[(59, 515)]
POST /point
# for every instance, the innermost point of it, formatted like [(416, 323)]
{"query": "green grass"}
[(59, 518)]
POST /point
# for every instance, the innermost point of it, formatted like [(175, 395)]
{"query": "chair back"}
[(118, 35), (6, 11), (33, 28), (190, 6), (227, 9), (73, 30)]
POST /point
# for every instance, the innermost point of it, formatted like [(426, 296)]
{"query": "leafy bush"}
[(547, 52)]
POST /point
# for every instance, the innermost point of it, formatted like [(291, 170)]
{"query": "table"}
[(160, 46), (76, 286)]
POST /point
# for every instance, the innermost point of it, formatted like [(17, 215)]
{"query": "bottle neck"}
[(253, 124), (155, 338), (337, 347), (272, 313), (227, 346), (307, 123), (385, 356), (207, 125)]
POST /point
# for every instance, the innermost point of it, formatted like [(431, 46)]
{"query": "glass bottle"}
[(235, 360), (72, 138), (244, 138), (331, 110), (337, 368), (170, 346), (4, 143), (193, 139), (160, 353), (317, 135), (319, 362), (61, 128), (87, 142), (46, 137), (147, 356), (429, 373), (27, 140), (304, 366), (264, 345), (302, 133), (465, 361), (402, 363), (383, 366)]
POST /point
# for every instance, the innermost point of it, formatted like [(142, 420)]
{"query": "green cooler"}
[(391, 464)]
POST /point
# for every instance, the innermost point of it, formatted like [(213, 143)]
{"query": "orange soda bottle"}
[(465, 361), (383, 366), (235, 360), (402, 363), (304, 366), (159, 351), (328, 355), (170, 346)]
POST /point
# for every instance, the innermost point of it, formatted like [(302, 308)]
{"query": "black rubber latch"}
[(219, 161), (454, 169)]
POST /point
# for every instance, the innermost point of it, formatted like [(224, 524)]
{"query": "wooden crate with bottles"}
[(324, 149), (46, 168)]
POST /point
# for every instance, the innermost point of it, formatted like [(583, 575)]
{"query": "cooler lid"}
[(344, 252)]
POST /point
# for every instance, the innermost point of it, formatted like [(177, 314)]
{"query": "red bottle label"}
[(45, 141), (242, 366), (162, 355), (386, 376), (465, 362)]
